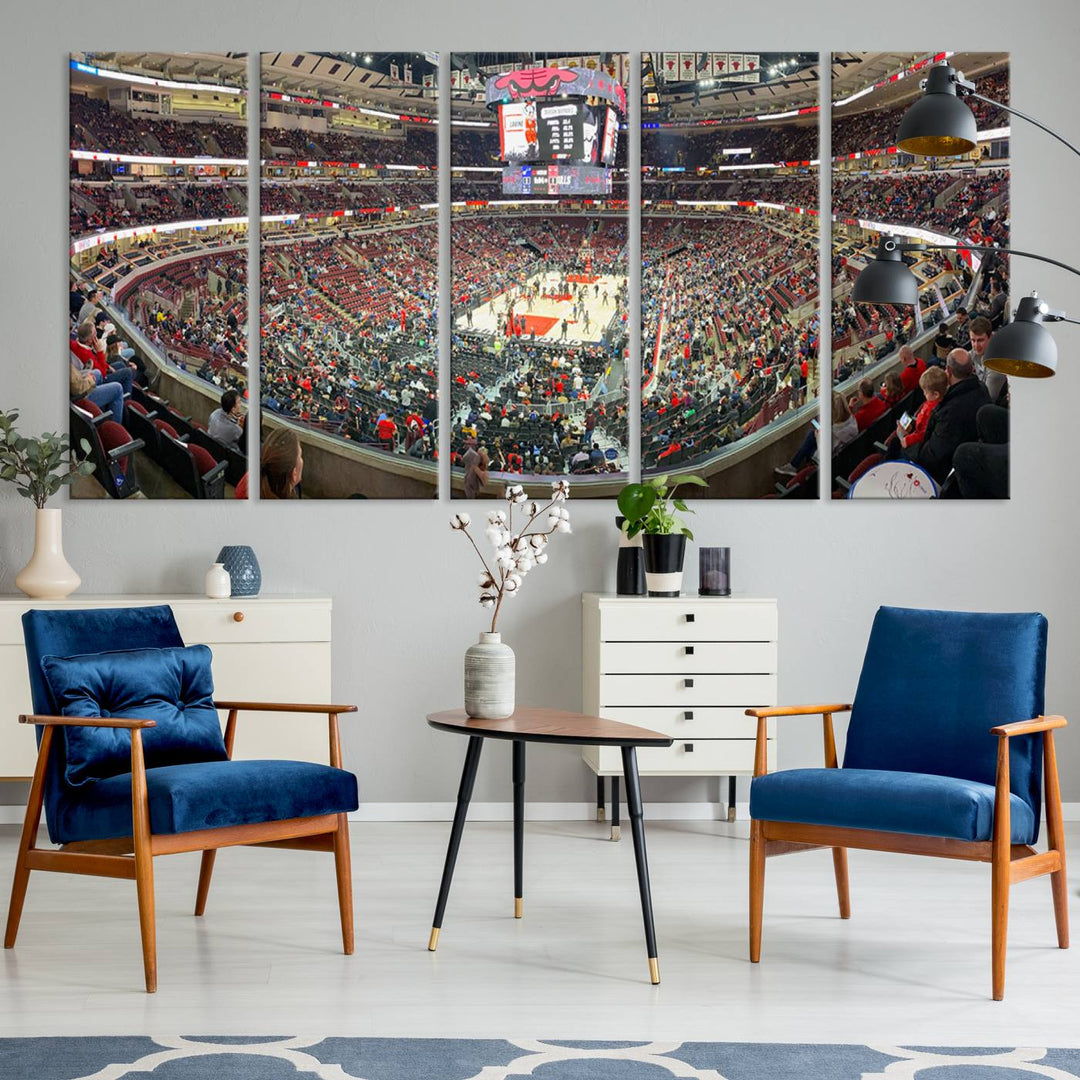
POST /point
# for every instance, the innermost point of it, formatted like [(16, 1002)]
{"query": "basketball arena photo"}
[(897, 364), (158, 345), (539, 272), (349, 275), (729, 270)]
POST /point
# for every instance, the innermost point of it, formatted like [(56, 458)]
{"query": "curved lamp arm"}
[(1016, 112), (959, 246)]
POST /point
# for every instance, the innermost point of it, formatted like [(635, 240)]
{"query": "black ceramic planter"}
[(664, 554), (630, 572)]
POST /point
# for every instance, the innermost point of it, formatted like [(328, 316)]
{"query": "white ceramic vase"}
[(218, 582), (48, 575), (489, 678)]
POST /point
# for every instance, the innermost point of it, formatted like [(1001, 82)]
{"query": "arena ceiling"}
[(355, 78), (229, 69), (793, 86), (852, 71)]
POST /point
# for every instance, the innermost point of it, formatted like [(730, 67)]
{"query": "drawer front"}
[(688, 620), (691, 723), (214, 621), (686, 691), (709, 757), (703, 657), (278, 672)]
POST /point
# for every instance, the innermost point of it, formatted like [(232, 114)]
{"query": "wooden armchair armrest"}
[(87, 721), (763, 715), (331, 711), (797, 710), (282, 706), (1029, 727)]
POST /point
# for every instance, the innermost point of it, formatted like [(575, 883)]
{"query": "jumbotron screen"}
[(589, 180), (560, 130)]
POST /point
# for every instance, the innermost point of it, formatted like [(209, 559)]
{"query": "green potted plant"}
[(652, 509), (39, 467)]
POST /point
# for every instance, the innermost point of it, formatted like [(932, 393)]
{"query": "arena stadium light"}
[(1023, 348), (939, 124)]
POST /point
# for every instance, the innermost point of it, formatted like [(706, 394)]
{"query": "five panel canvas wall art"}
[(163, 367)]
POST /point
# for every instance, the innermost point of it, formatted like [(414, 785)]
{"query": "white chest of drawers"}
[(266, 648), (686, 666)]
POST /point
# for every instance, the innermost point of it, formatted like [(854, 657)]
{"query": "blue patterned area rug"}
[(284, 1058)]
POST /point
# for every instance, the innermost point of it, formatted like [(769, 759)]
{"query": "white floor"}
[(911, 966)]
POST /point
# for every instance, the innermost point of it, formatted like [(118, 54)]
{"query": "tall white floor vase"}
[(48, 575)]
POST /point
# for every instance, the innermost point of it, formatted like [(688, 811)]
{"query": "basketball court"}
[(545, 300)]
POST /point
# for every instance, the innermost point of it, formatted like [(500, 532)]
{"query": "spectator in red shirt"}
[(90, 349), (934, 382), (386, 430), (912, 370), (866, 406)]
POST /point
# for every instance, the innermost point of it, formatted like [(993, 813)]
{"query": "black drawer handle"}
[(688, 683), (689, 650), (688, 715), (688, 747), (689, 616)]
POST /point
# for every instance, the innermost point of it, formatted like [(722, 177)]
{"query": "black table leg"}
[(637, 827), (600, 798), (519, 825), (731, 798), (615, 829), (468, 778)]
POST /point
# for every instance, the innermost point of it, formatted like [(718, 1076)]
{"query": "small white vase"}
[(48, 575), (489, 679), (218, 582)]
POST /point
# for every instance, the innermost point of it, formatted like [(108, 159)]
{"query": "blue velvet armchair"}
[(132, 763), (947, 751)]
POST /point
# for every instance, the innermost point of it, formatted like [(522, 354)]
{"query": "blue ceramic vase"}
[(243, 568)]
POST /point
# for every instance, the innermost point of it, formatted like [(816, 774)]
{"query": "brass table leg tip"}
[(433, 940), (519, 907), (654, 971), (616, 832), (600, 814)]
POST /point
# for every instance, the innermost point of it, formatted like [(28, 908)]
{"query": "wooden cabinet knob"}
[(238, 616)]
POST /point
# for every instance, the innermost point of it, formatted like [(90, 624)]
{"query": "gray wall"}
[(405, 604)]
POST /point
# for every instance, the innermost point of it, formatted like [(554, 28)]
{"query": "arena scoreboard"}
[(558, 129), (589, 180)]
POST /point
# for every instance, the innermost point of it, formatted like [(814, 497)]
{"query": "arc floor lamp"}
[(939, 124)]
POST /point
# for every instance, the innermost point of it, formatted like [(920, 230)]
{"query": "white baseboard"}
[(542, 811), (12, 814)]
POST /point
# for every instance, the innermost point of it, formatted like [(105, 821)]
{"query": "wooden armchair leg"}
[(206, 871), (839, 858), (1000, 870), (757, 888), (1055, 830), (144, 861), (343, 868), (28, 840)]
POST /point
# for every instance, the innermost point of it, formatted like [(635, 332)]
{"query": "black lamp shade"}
[(1024, 347), (886, 280), (938, 124)]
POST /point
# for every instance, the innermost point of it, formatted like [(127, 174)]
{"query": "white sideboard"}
[(687, 666), (266, 648)]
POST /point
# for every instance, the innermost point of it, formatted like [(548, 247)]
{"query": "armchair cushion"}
[(934, 683), (173, 686), (207, 795), (921, 804)]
